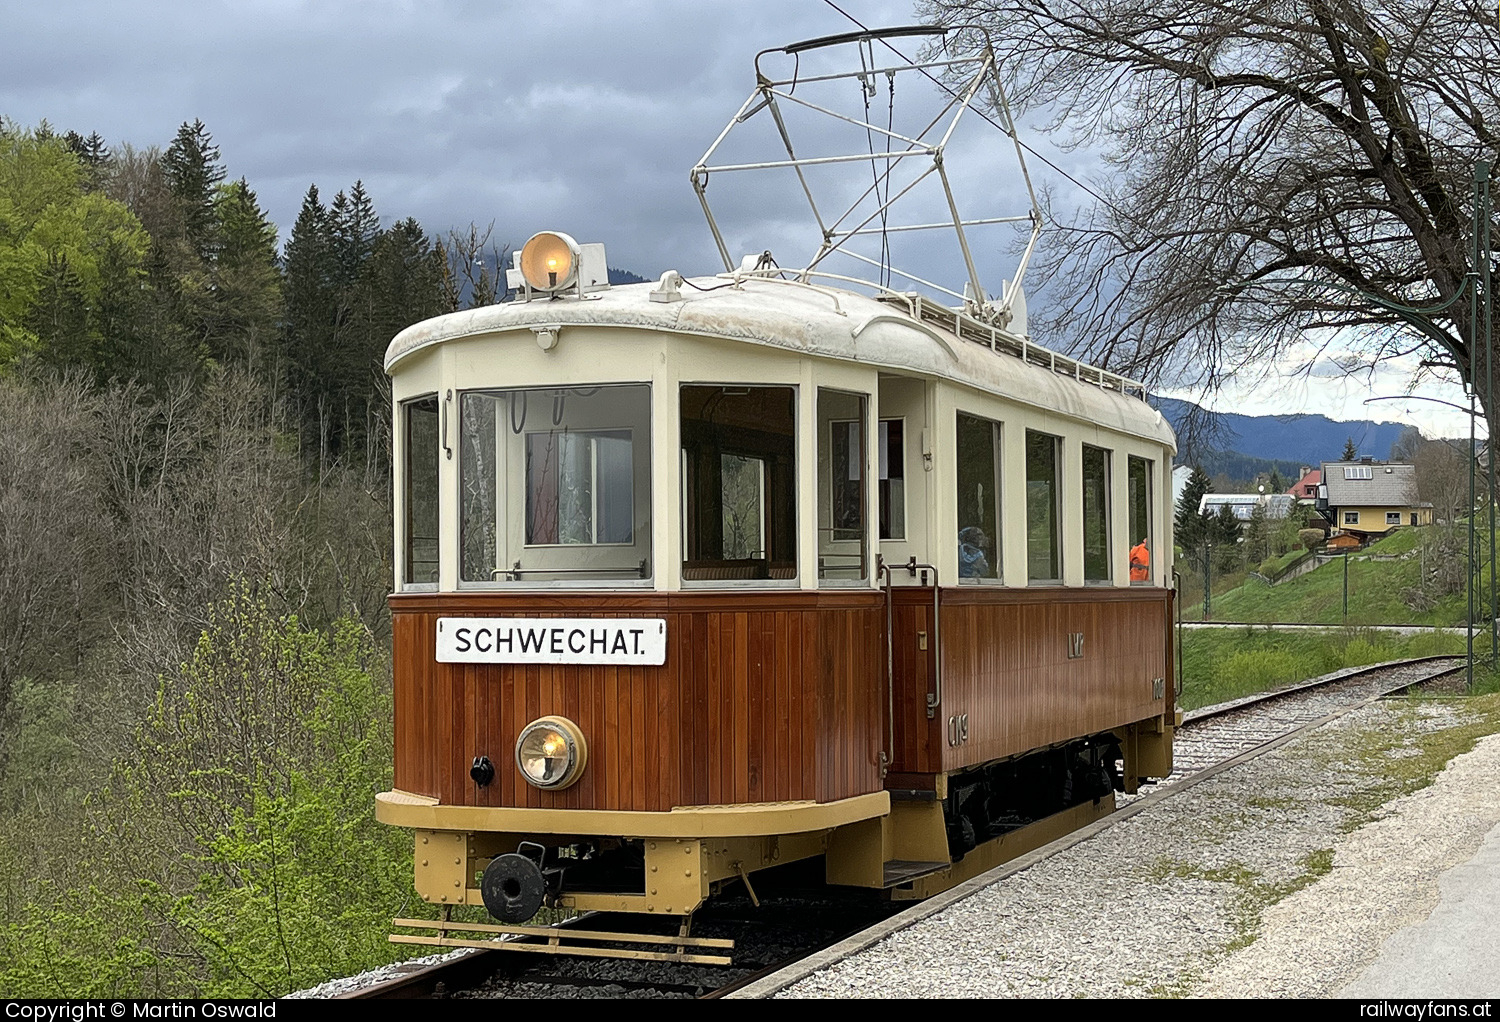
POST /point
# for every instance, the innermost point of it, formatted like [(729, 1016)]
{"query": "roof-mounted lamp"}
[(553, 264)]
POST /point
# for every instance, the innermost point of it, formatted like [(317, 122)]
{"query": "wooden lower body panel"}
[(764, 697), (1011, 681)]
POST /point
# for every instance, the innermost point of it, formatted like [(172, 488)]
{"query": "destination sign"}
[(552, 640)]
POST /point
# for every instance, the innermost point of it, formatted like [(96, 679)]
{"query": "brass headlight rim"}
[(577, 747)]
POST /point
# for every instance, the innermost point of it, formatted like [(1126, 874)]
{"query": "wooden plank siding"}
[(764, 697), (1006, 664)]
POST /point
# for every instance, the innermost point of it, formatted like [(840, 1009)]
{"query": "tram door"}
[(904, 503)]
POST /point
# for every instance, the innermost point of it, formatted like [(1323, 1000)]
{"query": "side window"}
[(1096, 556), (742, 480), (1140, 538), (890, 446), (842, 515), (1351, 517), (978, 498), (739, 475), (1043, 508), (420, 489)]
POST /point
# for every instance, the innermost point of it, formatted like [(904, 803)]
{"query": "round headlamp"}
[(549, 261), (551, 753)]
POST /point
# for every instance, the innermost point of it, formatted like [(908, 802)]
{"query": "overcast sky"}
[(576, 116)]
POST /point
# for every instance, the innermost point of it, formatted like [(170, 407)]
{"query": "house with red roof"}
[(1305, 489)]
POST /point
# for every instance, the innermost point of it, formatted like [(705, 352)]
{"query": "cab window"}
[(419, 421), (556, 485)]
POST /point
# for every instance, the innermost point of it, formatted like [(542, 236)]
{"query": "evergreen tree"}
[(353, 226), (247, 281), (307, 327), (59, 317), (161, 345), (350, 288), (1351, 453), (92, 155), (192, 169), (1224, 527), (403, 283), (308, 273), (1189, 525), (353, 357), (1257, 535)]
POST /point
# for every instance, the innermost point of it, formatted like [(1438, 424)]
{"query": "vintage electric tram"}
[(699, 577)]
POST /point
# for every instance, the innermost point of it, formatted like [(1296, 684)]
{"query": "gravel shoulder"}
[(1281, 877)]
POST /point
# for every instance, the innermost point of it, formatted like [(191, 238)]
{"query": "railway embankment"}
[(1282, 876)]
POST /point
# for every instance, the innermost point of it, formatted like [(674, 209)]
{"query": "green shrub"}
[(236, 847)]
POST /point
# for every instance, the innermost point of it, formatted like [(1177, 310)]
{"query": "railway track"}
[(784, 939), (789, 924), (1216, 734)]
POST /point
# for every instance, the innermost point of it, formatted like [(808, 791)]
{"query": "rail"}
[(515, 572), (887, 757)]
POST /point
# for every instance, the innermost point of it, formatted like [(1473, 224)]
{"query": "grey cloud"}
[(585, 115)]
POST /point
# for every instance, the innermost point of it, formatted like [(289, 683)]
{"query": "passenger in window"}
[(1140, 562), (972, 562)]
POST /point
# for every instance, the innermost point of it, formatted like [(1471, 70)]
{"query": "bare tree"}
[(1443, 471), (474, 272), (1254, 141), (55, 568)]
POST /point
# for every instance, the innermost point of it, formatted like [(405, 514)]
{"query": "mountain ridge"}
[(1306, 438)]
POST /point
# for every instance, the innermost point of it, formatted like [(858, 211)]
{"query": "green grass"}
[(1402, 760), (1375, 590), (1219, 664), (1272, 567)]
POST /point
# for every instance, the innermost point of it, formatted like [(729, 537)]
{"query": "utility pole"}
[(1346, 587), (1208, 549)]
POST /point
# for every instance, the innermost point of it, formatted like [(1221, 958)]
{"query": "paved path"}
[(1454, 952)]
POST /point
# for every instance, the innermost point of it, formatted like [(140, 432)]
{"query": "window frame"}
[(1057, 545), (1106, 491), (635, 418), (1351, 517), (687, 485), (996, 502), (408, 447), (1148, 480), (861, 486)]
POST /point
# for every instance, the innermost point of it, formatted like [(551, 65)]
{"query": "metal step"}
[(900, 871)]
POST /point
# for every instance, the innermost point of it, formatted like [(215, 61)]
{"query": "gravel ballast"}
[(1248, 884)]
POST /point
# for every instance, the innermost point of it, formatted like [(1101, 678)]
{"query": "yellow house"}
[(1370, 498)]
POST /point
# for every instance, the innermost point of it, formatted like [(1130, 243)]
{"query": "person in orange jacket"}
[(1140, 562)]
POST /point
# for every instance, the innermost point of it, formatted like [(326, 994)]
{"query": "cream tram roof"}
[(826, 323)]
